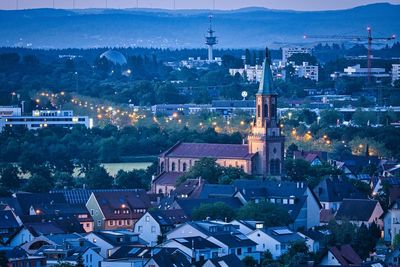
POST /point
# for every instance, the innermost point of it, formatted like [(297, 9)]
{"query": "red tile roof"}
[(326, 215), (167, 178), (346, 255), (202, 150)]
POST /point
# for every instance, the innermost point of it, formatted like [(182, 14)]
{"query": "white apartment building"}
[(357, 71), (253, 73), (42, 118), (395, 72), (307, 71), (287, 52)]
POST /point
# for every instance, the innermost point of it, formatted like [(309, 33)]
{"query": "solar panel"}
[(283, 232)]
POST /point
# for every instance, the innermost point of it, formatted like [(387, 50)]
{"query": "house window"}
[(291, 201), (147, 218), (285, 201), (111, 223), (92, 212), (94, 240), (119, 222), (249, 250), (90, 257), (99, 223), (140, 229), (277, 247), (153, 229), (239, 251)]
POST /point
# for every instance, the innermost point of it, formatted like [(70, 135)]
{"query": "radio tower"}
[(211, 40)]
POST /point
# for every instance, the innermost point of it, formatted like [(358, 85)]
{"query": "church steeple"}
[(266, 87), (266, 140)]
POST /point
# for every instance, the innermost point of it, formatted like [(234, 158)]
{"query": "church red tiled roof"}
[(202, 150)]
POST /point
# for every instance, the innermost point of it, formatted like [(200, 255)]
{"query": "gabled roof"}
[(42, 201), (217, 190), (81, 196), (196, 242), (310, 156), (169, 217), (272, 188), (120, 237), (228, 260), (234, 240), (190, 188), (335, 189), (171, 257), (283, 235), (68, 223), (345, 255), (44, 228), (167, 178), (12, 202), (8, 220), (207, 150), (356, 209), (111, 201)]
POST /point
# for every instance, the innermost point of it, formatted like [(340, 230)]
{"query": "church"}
[(262, 156)]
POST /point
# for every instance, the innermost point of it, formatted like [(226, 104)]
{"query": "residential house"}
[(333, 189), (199, 248), (245, 227), (391, 220), (16, 257), (116, 210), (110, 241), (315, 158), (315, 240), (276, 240), (68, 248), (222, 234), (297, 198), (8, 225), (169, 257), (341, 256), (154, 224), (360, 211)]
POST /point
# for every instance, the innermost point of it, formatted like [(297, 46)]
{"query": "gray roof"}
[(266, 86), (188, 205), (228, 260), (356, 209), (7, 220), (217, 190), (335, 189), (283, 235)]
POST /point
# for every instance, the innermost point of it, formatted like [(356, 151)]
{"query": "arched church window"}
[(258, 111), (162, 166), (173, 166), (274, 167), (184, 166)]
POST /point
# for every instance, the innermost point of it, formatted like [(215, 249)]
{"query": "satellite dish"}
[(244, 95)]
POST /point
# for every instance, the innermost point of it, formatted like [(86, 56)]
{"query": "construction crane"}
[(367, 38)]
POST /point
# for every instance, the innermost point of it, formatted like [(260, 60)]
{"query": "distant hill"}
[(250, 27)]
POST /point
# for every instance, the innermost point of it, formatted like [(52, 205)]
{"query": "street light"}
[(125, 206)]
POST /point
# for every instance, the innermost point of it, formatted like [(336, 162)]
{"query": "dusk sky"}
[(191, 4)]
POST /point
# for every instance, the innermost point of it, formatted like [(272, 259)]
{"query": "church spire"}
[(266, 86)]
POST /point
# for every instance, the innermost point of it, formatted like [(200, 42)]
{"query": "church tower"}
[(266, 139)]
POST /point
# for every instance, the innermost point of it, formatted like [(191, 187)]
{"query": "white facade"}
[(265, 242), (43, 119), (395, 72), (307, 71), (252, 73), (91, 258), (287, 52), (23, 236), (391, 223), (148, 228), (102, 244), (330, 260), (357, 71)]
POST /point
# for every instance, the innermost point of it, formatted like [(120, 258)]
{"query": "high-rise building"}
[(395, 72), (287, 52)]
